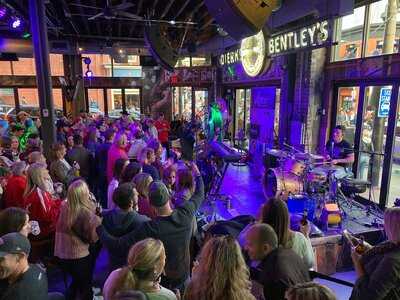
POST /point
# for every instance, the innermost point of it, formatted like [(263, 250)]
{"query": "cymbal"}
[(277, 153), (308, 156)]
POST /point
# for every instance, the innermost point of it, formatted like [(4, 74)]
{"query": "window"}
[(56, 65), (381, 23), (349, 34), (378, 42), (347, 110), (193, 61), (24, 66), (100, 65), (5, 68)]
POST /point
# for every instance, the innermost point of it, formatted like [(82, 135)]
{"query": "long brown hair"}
[(222, 273), (310, 291), (275, 213)]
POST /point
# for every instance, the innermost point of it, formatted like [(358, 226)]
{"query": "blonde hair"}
[(222, 273), (142, 183), (310, 291), (146, 261), (392, 223), (121, 140), (35, 178), (77, 200)]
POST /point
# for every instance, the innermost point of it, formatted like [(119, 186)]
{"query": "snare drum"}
[(277, 183), (293, 166)]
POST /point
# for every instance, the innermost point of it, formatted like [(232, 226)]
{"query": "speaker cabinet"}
[(242, 18), (159, 46)]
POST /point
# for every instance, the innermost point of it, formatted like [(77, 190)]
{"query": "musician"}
[(339, 151)]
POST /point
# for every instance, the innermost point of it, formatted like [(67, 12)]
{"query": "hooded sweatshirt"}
[(118, 223)]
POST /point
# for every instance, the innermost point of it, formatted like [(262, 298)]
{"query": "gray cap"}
[(158, 194), (14, 243)]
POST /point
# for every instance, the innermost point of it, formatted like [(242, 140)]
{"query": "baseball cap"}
[(13, 243), (158, 194)]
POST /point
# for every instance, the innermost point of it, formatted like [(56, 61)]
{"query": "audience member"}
[(119, 166), (137, 146), (378, 268), (39, 202), (74, 234), (101, 164), (60, 169), (18, 278), (163, 129), (16, 184), (145, 266), (184, 186), (172, 227), (221, 273), (14, 219), (279, 268), (147, 158), (130, 171), (123, 219), (117, 150), (80, 155), (310, 291), (169, 178), (275, 213), (142, 183)]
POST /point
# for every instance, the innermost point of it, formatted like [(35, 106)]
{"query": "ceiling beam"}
[(181, 9), (153, 10), (98, 28), (166, 9), (85, 21), (207, 23), (138, 12), (66, 16)]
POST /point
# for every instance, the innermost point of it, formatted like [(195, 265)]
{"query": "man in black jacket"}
[(279, 268), (123, 219), (172, 227)]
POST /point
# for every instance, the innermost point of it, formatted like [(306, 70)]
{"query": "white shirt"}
[(110, 191)]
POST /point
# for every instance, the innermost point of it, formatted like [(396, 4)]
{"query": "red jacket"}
[(44, 209), (14, 192), (163, 130)]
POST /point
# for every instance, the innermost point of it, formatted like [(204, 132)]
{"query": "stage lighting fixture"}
[(3, 12), (15, 22), (89, 73)]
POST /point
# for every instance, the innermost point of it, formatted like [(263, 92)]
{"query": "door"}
[(242, 116)]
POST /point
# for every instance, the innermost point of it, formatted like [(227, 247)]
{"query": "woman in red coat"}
[(117, 150), (42, 207), (16, 184)]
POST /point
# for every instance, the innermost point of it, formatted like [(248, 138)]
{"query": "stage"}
[(331, 252)]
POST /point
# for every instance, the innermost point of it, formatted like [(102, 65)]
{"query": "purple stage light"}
[(89, 73), (3, 11), (16, 23)]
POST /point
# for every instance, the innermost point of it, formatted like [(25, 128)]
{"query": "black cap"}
[(14, 243)]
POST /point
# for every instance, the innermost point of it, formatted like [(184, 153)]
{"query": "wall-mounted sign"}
[(191, 76), (252, 54), (384, 102), (230, 57), (310, 36)]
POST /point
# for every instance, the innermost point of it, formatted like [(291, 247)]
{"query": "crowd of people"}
[(123, 186)]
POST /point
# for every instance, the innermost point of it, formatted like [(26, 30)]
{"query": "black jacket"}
[(382, 278), (119, 223), (281, 269), (174, 231)]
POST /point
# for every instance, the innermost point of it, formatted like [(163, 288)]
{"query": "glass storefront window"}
[(5, 68), (24, 66), (201, 100), (132, 101), (57, 101), (373, 137), (383, 20), (394, 187), (100, 65), (349, 35), (182, 102), (347, 110), (56, 65), (96, 101), (201, 61), (114, 98)]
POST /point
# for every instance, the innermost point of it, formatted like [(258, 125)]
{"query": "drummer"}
[(339, 151)]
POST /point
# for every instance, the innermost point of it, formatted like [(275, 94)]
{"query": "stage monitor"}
[(240, 18)]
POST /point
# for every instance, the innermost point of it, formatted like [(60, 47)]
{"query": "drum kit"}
[(301, 177)]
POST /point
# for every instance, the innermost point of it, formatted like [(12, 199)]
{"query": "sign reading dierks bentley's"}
[(314, 35)]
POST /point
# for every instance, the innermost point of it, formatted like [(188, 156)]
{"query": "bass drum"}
[(281, 184)]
